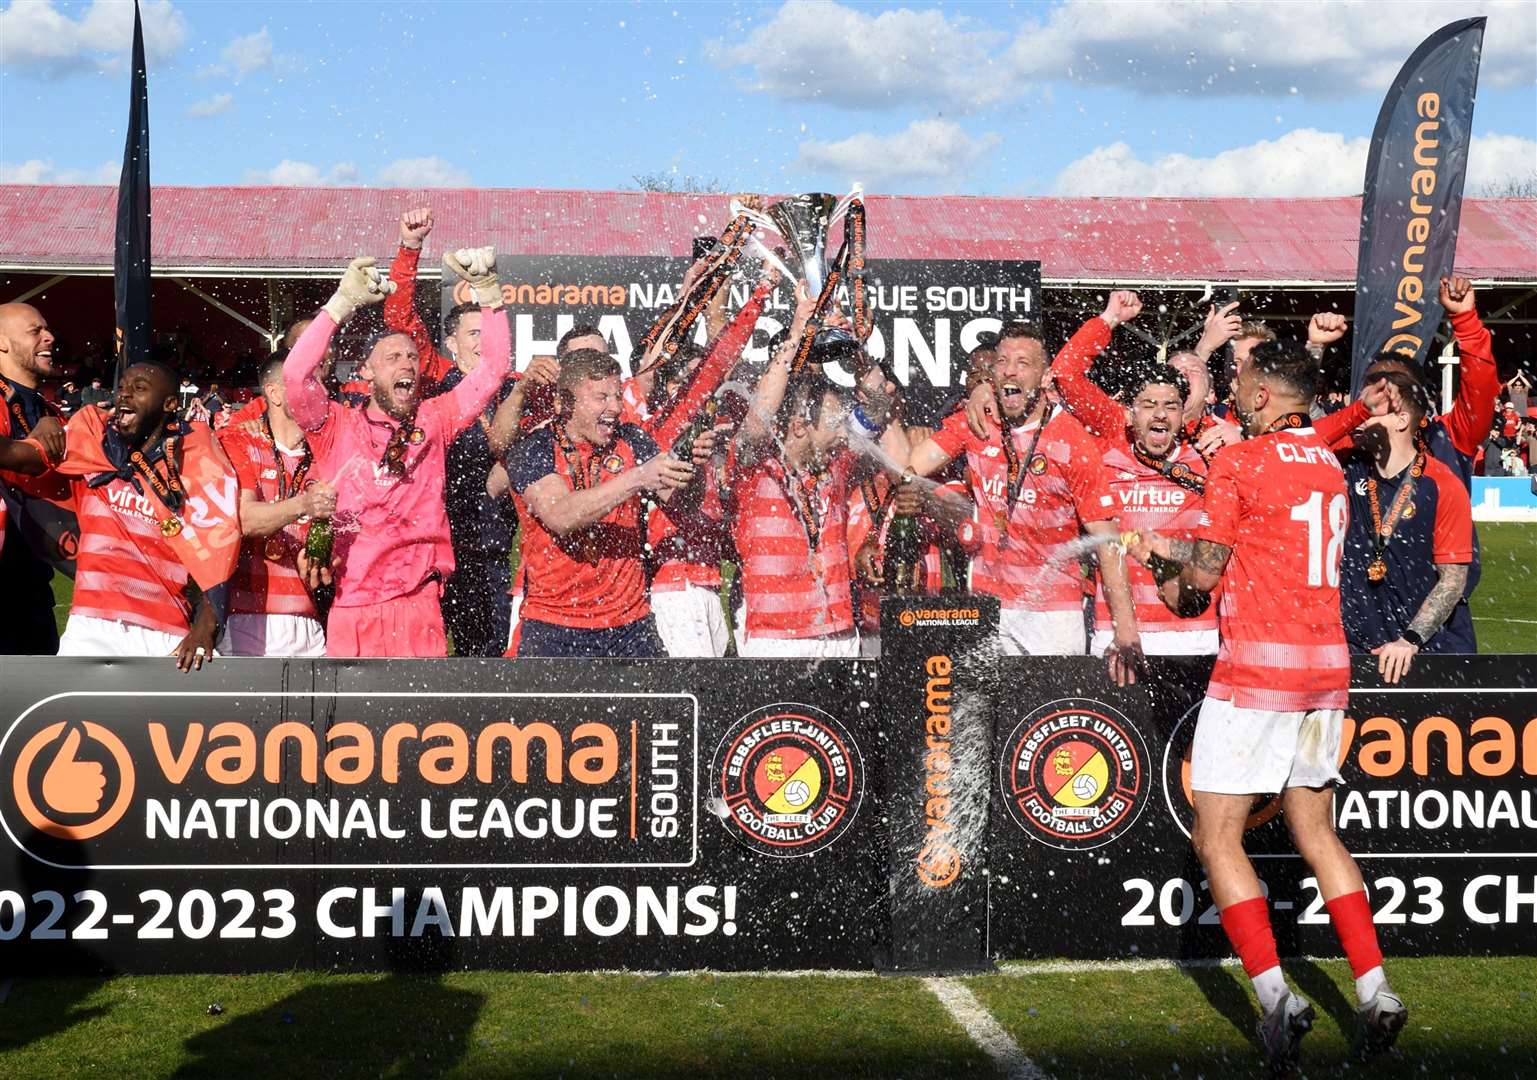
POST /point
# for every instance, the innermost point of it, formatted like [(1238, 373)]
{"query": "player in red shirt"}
[(1151, 468), (271, 612), (791, 472), (156, 502), (1036, 488), (579, 481), (1275, 524)]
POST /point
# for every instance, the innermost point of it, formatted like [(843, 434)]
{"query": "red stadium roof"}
[(270, 231)]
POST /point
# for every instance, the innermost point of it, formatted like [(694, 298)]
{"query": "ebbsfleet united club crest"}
[(790, 777), (1074, 774)]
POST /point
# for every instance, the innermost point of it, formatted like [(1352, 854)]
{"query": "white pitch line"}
[(983, 1029), (1071, 967), (1496, 618)]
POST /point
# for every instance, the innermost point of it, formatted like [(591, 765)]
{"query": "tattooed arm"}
[(1394, 657), (1186, 570)]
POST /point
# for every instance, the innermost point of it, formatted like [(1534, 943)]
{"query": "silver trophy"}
[(803, 221)]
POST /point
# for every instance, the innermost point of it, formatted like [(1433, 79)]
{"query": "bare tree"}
[(673, 184), (1512, 187)]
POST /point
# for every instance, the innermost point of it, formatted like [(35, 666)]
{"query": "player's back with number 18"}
[(1272, 722), (1278, 501)]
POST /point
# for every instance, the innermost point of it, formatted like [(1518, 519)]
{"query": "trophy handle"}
[(841, 209), (757, 217)]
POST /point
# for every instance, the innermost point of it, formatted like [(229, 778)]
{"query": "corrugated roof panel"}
[(1105, 238)]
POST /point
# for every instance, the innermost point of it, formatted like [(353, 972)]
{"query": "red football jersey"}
[(1146, 498), (1021, 558), (1278, 501), (262, 584), (126, 569), (591, 579), (792, 590)]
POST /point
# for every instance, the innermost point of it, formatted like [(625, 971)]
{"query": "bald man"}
[(26, 360)]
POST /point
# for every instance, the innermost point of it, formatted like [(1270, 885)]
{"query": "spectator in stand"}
[(95, 393), (1037, 484), (482, 521), (1409, 542), (271, 611), (386, 460), (186, 392), (579, 481), (213, 401), (26, 363)]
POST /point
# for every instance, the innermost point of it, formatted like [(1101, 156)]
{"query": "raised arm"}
[(1094, 408), (461, 405), (400, 314), (758, 425), (361, 285), (1479, 385)]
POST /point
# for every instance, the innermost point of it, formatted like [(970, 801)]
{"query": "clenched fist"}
[(361, 285), (1326, 328), (1456, 295), (1123, 307), (476, 267), (414, 227)]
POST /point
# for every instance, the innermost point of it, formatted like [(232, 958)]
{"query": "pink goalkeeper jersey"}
[(391, 531)]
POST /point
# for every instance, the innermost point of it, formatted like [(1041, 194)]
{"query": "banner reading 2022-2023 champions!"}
[(528, 815), (936, 810)]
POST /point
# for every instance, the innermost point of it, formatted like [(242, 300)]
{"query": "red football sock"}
[(1352, 917), (1248, 927)]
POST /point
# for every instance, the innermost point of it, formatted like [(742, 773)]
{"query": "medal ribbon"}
[(803, 505), (1016, 465), (1382, 530), (1176, 473), (693, 303), (20, 425), (394, 458), (167, 488), (285, 484), (581, 477)]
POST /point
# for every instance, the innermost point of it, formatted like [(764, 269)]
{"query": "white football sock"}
[(1368, 985), (1271, 987)]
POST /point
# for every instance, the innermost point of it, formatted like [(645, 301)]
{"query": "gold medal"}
[(170, 527), (1376, 570), (1386, 531), (1038, 464), (274, 549)]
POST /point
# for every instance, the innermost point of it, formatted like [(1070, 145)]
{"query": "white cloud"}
[(404, 172), (247, 54), (43, 171), (422, 172), (219, 103), (289, 173), (36, 36), (926, 150), (1303, 162), (817, 50), (1314, 46)]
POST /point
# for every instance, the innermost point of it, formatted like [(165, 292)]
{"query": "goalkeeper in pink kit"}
[(386, 460)]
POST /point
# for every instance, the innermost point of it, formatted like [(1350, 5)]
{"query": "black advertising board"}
[(936, 708), (370, 815), (734, 814), (1090, 850), (927, 313)]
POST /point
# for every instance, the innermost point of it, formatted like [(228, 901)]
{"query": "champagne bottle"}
[(317, 543), (900, 566), (683, 446)]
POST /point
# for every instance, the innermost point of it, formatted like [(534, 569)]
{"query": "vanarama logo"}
[(1074, 774), (73, 781), (499, 780), (939, 860), (789, 779), (955, 616), (545, 294)]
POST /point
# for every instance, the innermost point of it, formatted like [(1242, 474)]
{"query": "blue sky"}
[(1078, 97)]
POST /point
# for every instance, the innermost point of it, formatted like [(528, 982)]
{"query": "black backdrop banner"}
[(927, 313), (370, 815), (732, 814)]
